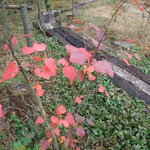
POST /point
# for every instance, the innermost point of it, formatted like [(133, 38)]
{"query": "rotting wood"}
[(143, 86), (130, 89), (16, 7)]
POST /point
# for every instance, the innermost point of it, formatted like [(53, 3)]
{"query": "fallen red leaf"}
[(39, 90), (80, 131), (61, 110), (137, 57), (44, 144), (39, 120), (126, 61), (25, 35), (57, 131), (140, 7), (70, 119), (128, 55), (78, 100), (54, 119), (76, 21), (37, 58)]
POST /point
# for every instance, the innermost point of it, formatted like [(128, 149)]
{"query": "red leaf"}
[(79, 119), (38, 72), (101, 88), (39, 120), (107, 94), (90, 122), (78, 100), (79, 29), (61, 110), (82, 96), (65, 123), (10, 72), (103, 67), (91, 77), (25, 35), (80, 75), (70, 73), (45, 72), (76, 21), (63, 62), (126, 61), (137, 3), (53, 125), (71, 49), (80, 131), (69, 117), (130, 40), (57, 131), (28, 50), (137, 57), (14, 40), (44, 144), (54, 119), (1, 111), (78, 58), (89, 69), (63, 138), (6, 47), (39, 47), (128, 55), (39, 90), (48, 134), (37, 58)]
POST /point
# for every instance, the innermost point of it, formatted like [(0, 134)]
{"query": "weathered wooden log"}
[(26, 24), (16, 7)]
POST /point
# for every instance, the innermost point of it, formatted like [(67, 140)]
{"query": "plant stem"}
[(42, 27), (36, 98)]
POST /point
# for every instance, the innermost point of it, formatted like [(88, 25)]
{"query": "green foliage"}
[(120, 121), (25, 134)]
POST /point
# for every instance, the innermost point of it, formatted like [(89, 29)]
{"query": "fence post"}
[(26, 24)]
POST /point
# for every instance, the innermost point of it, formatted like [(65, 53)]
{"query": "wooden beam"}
[(16, 7)]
